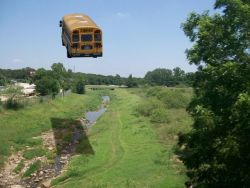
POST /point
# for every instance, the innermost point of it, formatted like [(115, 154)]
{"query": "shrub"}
[(13, 104), (159, 115), (146, 107)]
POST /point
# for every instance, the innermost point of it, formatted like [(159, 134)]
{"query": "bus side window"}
[(97, 36), (75, 37)]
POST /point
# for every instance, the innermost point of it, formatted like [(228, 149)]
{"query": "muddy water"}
[(92, 116)]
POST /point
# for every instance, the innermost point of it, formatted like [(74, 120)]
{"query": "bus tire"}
[(68, 54)]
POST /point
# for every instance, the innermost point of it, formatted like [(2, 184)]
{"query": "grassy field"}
[(132, 144), (18, 127), (130, 149)]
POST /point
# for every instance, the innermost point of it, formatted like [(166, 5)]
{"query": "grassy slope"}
[(18, 127), (129, 151)]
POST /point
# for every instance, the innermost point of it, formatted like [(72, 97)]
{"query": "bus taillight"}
[(98, 45)]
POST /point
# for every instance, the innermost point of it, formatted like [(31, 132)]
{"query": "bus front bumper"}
[(87, 55)]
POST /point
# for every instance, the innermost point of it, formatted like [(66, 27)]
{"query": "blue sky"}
[(138, 35)]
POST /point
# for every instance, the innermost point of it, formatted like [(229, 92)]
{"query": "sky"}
[(138, 35)]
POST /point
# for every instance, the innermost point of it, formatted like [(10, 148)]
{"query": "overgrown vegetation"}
[(158, 100), (35, 152), (216, 152)]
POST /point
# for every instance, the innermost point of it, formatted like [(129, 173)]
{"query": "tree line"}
[(157, 77)]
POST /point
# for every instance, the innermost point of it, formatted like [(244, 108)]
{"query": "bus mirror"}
[(60, 23)]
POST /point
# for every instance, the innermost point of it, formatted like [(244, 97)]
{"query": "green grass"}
[(32, 153), (18, 127), (19, 167), (129, 151), (32, 168)]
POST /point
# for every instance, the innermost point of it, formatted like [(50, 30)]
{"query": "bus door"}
[(86, 42)]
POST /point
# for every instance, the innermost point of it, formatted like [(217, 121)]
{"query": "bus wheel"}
[(68, 54)]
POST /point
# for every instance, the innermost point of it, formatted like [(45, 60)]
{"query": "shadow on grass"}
[(70, 137)]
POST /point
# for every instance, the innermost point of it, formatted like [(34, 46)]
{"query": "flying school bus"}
[(81, 36)]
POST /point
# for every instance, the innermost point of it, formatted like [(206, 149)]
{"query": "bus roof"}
[(76, 21)]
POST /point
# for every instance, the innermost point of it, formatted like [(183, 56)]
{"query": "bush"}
[(80, 86), (13, 104), (171, 97), (147, 106), (159, 115)]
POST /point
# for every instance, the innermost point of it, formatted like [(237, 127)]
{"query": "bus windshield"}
[(86, 37)]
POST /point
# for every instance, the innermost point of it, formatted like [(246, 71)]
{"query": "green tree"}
[(80, 86), (131, 81), (216, 152), (3, 80), (46, 83), (60, 74), (160, 77)]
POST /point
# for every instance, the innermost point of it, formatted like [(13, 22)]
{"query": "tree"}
[(2, 80), (178, 75), (80, 86), (61, 75), (216, 152), (131, 81), (46, 83), (160, 77)]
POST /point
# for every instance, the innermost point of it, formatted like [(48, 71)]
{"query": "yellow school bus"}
[(81, 36)]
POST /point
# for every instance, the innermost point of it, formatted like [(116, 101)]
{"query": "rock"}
[(5, 181), (36, 180), (15, 186), (46, 184), (1, 175), (41, 173), (64, 158), (50, 148)]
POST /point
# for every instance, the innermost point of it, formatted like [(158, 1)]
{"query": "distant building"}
[(27, 89)]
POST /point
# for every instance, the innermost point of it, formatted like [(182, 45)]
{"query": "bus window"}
[(86, 38), (75, 37), (98, 37)]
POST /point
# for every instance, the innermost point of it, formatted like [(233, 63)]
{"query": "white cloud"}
[(122, 15), (16, 60)]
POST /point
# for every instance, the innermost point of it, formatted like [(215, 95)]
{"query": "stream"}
[(92, 116)]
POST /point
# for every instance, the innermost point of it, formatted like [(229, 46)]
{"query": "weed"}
[(19, 167), (32, 168), (32, 153)]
